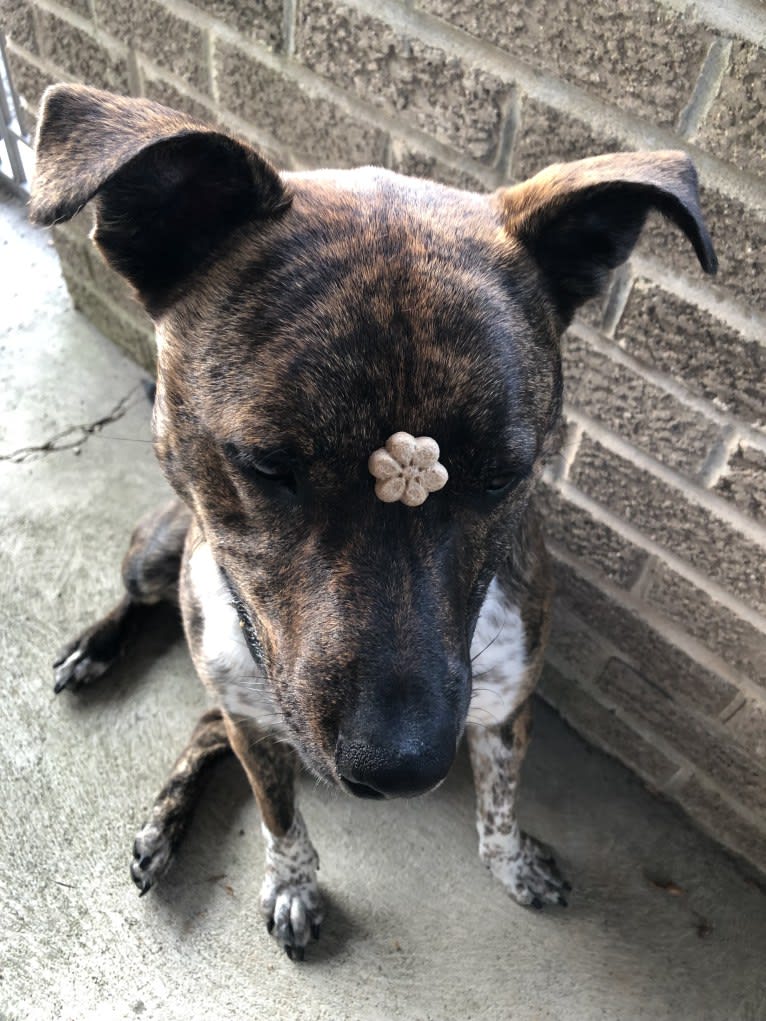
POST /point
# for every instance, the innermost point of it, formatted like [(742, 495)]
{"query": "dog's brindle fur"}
[(301, 320)]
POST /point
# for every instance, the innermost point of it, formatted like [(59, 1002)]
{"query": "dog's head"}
[(302, 320)]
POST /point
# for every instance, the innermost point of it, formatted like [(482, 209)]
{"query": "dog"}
[(358, 383)]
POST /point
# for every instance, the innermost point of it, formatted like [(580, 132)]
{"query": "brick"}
[(590, 540), (722, 631), (163, 92), (79, 55), (407, 159), (30, 83), (593, 311), (260, 20), (126, 333), (646, 57), (309, 125), (663, 514), (709, 358), (166, 39), (18, 24), (547, 135), (736, 123), (640, 412), (604, 728), (744, 482), (723, 823), (113, 287), (748, 726), (443, 95), (739, 235), (671, 671), (80, 226), (578, 652), (704, 743), (81, 263), (74, 254)]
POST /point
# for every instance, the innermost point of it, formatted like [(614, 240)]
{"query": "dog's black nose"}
[(401, 767)]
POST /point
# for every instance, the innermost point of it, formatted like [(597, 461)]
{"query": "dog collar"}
[(407, 468)]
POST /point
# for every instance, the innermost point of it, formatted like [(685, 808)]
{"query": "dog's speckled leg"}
[(158, 838), (290, 899), (524, 867)]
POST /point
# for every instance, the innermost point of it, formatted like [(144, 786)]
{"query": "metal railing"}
[(15, 143)]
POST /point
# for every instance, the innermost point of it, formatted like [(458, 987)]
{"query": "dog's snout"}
[(397, 770), (397, 750)]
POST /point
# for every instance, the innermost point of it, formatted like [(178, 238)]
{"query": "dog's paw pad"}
[(529, 873), (74, 667), (293, 912), (152, 852)]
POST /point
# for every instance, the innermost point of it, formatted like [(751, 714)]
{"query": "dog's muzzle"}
[(396, 752)]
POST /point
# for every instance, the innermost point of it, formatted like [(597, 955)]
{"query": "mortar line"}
[(732, 708), (706, 89), (640, 586), (617, 299), (135, 79), (681, 567), (569, 449), (620, 356), (717, 461), (678, 780), (508, 135), (212, 77), (289, 13)]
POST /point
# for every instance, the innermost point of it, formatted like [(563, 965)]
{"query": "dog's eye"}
[(271, 469), (503, 483), (506, 479)]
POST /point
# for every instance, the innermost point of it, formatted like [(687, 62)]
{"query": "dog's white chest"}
[(227, 664), (498, 654)]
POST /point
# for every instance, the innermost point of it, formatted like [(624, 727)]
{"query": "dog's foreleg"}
[(524, 867), (158, 838), (150, 576), (290, 900)]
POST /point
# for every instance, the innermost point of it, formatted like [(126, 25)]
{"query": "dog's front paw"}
[(290, 900), (527, 870), (76, 665), (152, 851)]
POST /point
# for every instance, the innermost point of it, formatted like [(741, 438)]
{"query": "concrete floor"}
[(661, 923)]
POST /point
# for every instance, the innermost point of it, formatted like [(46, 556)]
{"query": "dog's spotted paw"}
[(290, 900), (527, 871), (152, 851), (76, 666)]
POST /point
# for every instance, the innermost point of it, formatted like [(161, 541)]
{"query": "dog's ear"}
[(581, 220), (168, 190)]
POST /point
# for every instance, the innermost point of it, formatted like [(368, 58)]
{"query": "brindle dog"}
[(301, 320)]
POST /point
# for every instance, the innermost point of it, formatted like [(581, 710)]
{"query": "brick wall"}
[(657, 505)]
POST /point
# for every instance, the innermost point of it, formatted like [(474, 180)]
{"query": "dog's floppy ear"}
[(168, 189), (580, 220)]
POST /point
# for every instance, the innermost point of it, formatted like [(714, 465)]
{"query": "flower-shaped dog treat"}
[(407, 469)]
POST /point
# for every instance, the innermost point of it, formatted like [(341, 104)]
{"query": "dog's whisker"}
[(489, 644)]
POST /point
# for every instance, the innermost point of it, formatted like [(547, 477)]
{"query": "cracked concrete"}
[(661, 925), (74, 435)]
